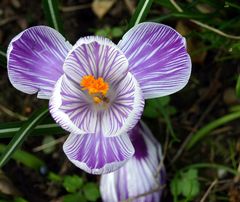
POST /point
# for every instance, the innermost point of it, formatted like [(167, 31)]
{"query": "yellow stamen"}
[(98, 88), (97, 100)]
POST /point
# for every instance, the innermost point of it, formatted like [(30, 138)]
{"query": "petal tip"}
[(96, 154), (31, 54)]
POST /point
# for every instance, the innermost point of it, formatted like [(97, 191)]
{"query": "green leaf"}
[(108, 32), (165, 4), (150, 112), (22, 134), (140, 13), (190, 184), (51, 11), (154, 107), (185, 183), (190, 173), (2, 200), (205, 130), (91, 191), (54, 177), (19, 199), (3, 57), (238, 87), (162, 101), (175, 187), (25, 158), (76, 197), (103, 32), (72, 183), (117, 32)]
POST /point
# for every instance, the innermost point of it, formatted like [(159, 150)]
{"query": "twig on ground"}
[(7, 20), (130, 6), (204, 115), (12, 114), (160, 166), (75, 8), (222, 130), (209, 190), (49, 144), (145, 194)]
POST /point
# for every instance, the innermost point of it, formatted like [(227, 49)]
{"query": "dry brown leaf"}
[(101, 7), (234, 190), (229, 96), (6, 186), (233, 194), (16, 3), (131, 5)]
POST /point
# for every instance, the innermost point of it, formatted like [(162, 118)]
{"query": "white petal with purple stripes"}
[(68, 97), (125, 108), (35, 60), (139, 175), (96, 56), (97, 154), (157, 57)]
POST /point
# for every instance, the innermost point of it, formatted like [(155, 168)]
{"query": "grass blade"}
[(141, 12), (211, 165), (3, 57), (8, 130), (52, 15), (238, 87), (22, 134), (211, 126)]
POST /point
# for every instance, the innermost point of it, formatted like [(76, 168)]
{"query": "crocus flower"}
[(142, 178), (96, 88)]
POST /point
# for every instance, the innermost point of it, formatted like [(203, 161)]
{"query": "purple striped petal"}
[(96, 56), (69, 107), (35, 60), (139, 175), (77, 113), (125, 109), (157, 57), (97, 154)]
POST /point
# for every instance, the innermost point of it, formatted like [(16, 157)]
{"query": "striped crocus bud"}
[(142, 177)]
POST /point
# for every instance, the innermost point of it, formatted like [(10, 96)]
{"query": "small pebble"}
[(43, 170), (16, 3)]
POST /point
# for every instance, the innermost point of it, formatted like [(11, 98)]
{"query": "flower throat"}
[(97, 88)]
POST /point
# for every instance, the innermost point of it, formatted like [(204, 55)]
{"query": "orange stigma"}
[(97, 88)]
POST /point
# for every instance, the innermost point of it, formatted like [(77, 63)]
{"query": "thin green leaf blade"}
[(205, 130), (8, 130), (141, 12), (22, 134), (52, 14), (238, 87)]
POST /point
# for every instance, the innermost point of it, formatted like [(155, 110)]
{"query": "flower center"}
[(97, 88)]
